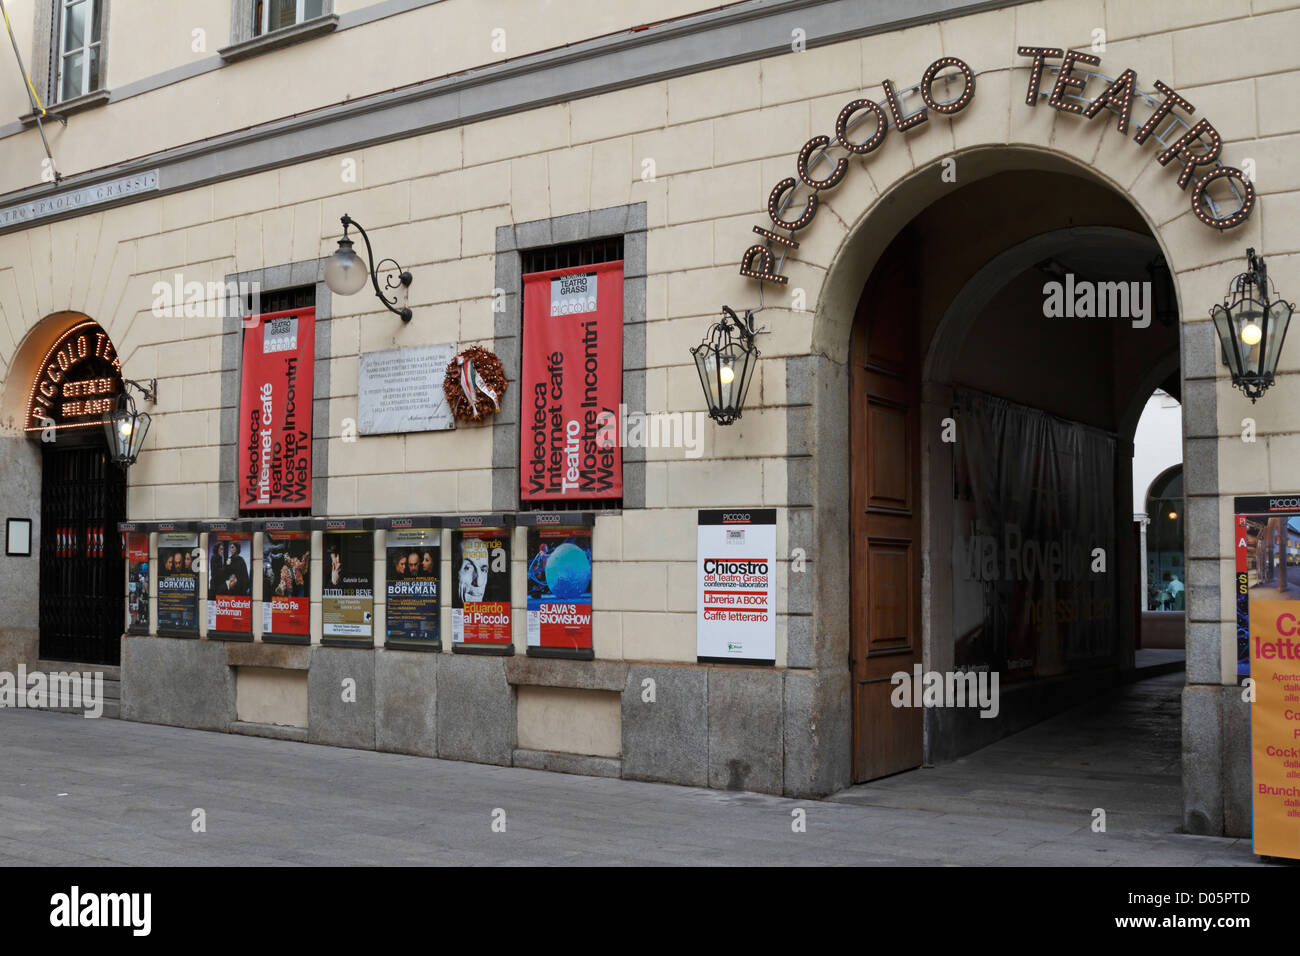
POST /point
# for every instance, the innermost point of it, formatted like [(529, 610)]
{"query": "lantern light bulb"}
[(1251, 334), (124, 428), (727, 375)]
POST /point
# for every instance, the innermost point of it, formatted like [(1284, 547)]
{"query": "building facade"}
[(900, 266)]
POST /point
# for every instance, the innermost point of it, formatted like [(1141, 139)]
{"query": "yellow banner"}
[(1275, 726)]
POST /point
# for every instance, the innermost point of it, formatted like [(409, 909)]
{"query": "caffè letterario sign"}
[(1193, 148), (78, 381)]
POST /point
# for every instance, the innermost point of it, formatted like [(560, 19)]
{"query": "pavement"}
[(106, 792)]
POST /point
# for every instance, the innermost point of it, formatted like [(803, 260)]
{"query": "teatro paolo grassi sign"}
[(1187, 145)]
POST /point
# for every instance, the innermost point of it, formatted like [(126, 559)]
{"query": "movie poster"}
[(736, 589), (413, 565), (137, 581), (480, 604), (275, 411), (559, 587), (347, 592), (230, 584), (572, 384), (286, 586), (178, 583), (1267, 546)]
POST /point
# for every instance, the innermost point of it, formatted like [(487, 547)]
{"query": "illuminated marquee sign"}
[(78, 381), (1193, 149)]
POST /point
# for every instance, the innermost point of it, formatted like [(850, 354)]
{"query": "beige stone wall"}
[(719, 142), (146, 39)]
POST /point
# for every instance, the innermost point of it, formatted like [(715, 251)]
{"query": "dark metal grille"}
[(565, 257), (82, 575), (573, 254), (281, 300)]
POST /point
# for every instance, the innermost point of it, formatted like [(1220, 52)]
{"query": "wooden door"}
[(886, 533)]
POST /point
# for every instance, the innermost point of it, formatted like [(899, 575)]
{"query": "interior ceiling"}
[(1112, 259)]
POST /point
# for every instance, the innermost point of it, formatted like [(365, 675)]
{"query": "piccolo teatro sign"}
[(1189, 146)]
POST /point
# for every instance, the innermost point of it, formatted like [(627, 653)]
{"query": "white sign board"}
[(401, 390), (736, 589)]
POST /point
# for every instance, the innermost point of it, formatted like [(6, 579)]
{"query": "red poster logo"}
[(230, 583), (487, 622), (572, 384), (275, 412)]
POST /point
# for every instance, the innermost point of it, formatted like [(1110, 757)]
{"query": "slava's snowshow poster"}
[(1266, 542), (736, 596), (559, 591)]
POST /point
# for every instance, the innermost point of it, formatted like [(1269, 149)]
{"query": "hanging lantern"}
[(125, 426), (726, 360), (1252, 327)]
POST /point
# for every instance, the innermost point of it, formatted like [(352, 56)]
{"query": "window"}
[(80, 48), (270, 15)]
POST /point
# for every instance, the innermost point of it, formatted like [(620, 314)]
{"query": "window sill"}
[(68, 107), (286, 36)]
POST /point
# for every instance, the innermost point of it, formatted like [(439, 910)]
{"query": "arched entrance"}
[(991, 423), (75, 375)]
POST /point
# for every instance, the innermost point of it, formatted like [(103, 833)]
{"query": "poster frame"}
[(562, 519), (174, 527), (278, 526), (1243, 507), (124, 529), (244, 528), (347, 526), (493, 520), (400, 523), (711, 517)]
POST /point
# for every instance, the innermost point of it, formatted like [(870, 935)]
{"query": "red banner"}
[(572, 384), (275, 412)]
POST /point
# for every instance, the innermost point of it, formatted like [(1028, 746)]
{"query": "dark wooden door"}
[(886, 533), (82, 577)]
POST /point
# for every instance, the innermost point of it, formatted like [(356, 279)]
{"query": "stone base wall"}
[(733, 728), (1216, 761)]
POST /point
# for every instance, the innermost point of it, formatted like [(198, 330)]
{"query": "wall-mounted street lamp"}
[(125, 426), (726, 360), (345, 273), (1251, 327)]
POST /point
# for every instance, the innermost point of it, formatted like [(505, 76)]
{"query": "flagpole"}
[(38, 111)]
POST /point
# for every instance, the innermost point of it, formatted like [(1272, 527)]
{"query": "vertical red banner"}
[(572, 384), (275, 410)]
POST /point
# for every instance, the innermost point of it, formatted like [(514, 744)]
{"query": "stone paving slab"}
[(131, 788)]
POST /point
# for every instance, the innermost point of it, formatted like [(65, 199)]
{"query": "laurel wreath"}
[(489, 368)]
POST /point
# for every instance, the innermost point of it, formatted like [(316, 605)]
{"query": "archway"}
[(64, 376), (987, 371)]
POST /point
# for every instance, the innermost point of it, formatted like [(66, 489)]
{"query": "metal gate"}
[(83, 497)]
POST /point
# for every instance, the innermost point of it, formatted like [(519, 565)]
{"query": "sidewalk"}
[(90, 792)]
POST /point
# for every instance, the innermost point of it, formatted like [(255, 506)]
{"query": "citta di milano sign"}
[(1186, 145)]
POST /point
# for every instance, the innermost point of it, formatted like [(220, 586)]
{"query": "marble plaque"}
[(401, 390)]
